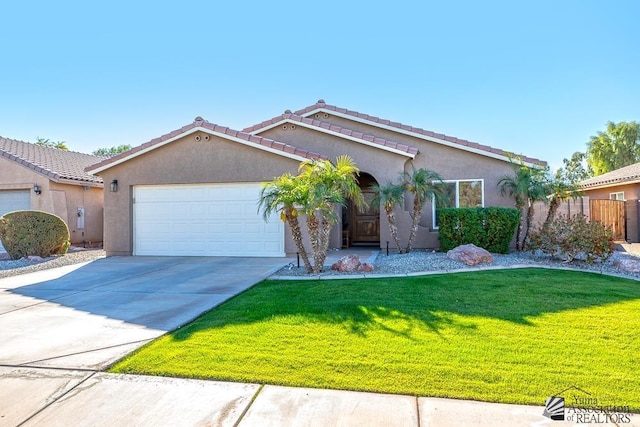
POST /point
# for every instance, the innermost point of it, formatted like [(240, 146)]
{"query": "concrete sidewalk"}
[(76, 398)]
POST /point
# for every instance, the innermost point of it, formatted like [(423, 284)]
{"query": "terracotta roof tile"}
[(618, 176), (333, 128), (386, 122), (51, 162), (266, 142)]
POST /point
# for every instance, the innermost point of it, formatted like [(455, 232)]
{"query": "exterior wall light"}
[(36, 189), (114, 186)]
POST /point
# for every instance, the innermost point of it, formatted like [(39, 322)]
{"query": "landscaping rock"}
[(351, 263), (631, 265), (35, 258), (4, 256), (366, 267), (470, 254)]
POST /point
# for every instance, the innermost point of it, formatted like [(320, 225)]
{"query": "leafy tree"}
[(112, 151), (60, 145), (526, 185), (423, 184), (390, 195), (574, 169), (617, 147)]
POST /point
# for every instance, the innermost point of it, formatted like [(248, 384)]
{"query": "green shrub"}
[(573, 238), (489, 228), (25, 233)]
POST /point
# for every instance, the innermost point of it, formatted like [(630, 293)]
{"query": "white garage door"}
[(14, 200), (204, 220)]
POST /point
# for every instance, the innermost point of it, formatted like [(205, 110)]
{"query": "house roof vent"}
[(198, 119)]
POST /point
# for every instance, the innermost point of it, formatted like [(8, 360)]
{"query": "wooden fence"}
[(610, 213)]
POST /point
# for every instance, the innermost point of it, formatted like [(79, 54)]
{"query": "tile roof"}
[(200, 123), (321, 104), (288, 116), (618, 176), (57, 165)]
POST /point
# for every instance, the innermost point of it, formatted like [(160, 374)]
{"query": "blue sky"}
[(537, 78)]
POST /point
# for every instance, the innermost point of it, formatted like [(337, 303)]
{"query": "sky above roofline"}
[(537, 79)]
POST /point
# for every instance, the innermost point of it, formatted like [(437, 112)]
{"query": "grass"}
[(512, 336)]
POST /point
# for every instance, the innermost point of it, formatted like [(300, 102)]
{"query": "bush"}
[(572, 238), (489, 228), (25, 233)]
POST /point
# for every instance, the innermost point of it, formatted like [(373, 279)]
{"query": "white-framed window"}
[(617, 196), (461, 193)]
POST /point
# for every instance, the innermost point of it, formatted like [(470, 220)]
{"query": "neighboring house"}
[(622, 185), (52, 180), (194, 191)]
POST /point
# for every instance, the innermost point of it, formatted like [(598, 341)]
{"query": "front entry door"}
[(366, 224)]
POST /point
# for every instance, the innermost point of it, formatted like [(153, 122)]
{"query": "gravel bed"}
[(10, 268), (430, 261)]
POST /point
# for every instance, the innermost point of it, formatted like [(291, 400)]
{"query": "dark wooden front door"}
[(366, 225)]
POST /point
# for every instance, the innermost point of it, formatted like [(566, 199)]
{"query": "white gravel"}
[(429, 261), (10, 267)]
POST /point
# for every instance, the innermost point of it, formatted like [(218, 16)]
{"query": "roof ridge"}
[(369, 138), (321, 104)]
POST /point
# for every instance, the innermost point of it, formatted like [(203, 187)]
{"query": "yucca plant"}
[(423, 184)]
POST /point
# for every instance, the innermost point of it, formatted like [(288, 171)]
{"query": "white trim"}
[(457, 181), (334, 133), (418, 135), (617, 193), (189, 132)]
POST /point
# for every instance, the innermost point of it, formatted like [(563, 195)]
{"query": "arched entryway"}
[(362, 227)]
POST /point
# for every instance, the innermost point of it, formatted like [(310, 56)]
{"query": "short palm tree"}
[(424, 184), (286, 195), (390, 195), (526, 186), (329, 185), (559, 191)]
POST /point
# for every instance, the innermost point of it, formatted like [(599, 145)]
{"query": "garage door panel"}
[(204, 220), (14, 200)]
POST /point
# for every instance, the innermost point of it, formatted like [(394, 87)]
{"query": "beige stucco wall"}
[(183, 161), (58, 198), (450, 163), (631, 192)]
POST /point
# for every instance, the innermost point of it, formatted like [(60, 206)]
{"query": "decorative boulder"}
[(628, 264), (351, 263), (470, 254)]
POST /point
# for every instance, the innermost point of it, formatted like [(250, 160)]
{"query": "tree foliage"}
[(46, 142), (423, 184), (112, 151), (389, 196), (616, 147)]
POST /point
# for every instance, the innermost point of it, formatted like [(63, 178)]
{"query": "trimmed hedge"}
[(25, 233), (489, 228)]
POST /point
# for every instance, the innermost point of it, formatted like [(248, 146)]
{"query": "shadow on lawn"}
[(398, 305)]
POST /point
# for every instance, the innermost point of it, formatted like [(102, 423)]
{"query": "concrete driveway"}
[(89, 316)]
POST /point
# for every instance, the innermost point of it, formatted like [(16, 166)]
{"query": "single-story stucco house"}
[(52, 180), (194, 191)]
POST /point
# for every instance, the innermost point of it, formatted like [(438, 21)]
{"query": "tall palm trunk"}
[(417, 210), (530, 212), (325, 231), (296, 234), (519, 233), (391, 218), (313, 224), (553, 208)]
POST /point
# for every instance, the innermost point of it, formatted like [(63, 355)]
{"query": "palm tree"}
[(424, 184), (329, 186), (559, 190), (526, 186), (286, 195), (390, 195)]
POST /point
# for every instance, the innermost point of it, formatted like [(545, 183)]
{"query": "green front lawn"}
[(513, 336)]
